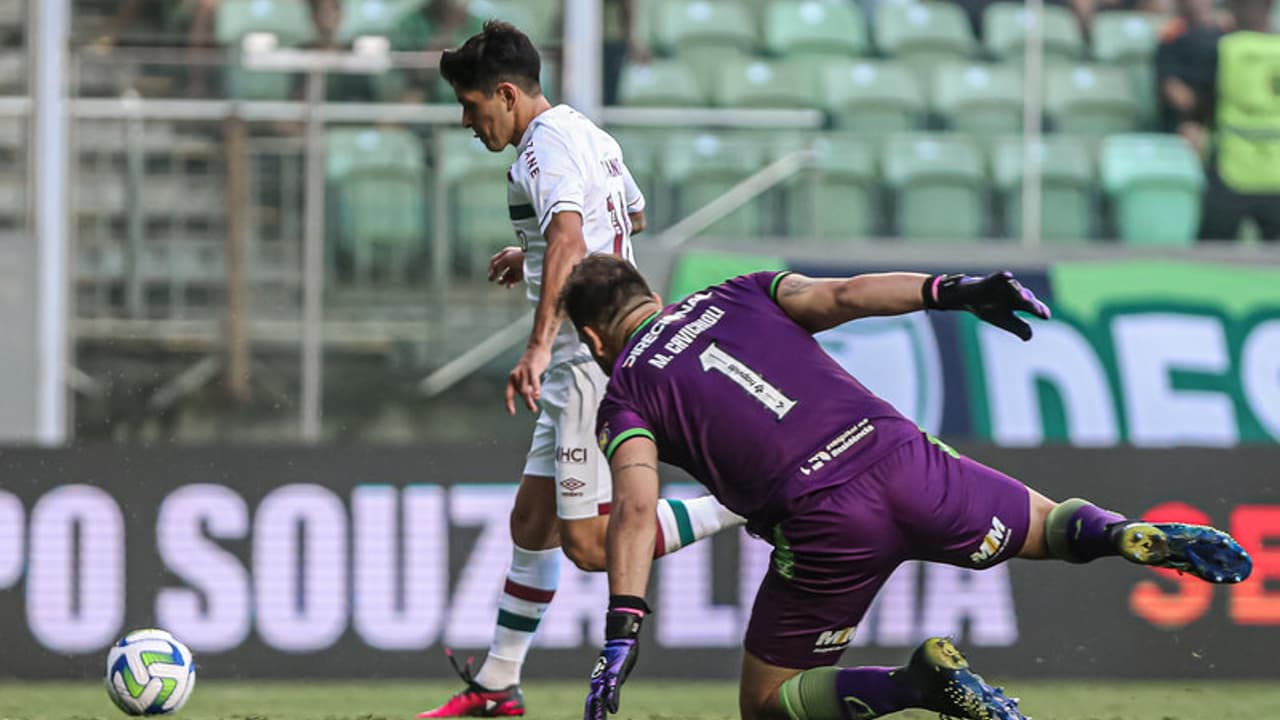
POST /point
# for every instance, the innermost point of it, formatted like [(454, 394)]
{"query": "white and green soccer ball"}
[(150, 673)]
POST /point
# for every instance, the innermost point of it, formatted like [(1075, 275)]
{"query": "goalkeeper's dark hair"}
[(498, 53), (601, 290)]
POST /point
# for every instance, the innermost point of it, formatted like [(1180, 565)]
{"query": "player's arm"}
[(818, 304), (629, 549), (821, 304), (566, 247), (637, 222)]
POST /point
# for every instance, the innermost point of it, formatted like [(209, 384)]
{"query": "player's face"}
[(490, 117)]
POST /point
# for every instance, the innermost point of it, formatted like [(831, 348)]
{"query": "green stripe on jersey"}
[(773, 286), (624, 436), (683, 526), (520, 212), (511, 621)]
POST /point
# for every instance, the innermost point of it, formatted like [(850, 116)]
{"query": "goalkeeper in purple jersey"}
[(730, 385)]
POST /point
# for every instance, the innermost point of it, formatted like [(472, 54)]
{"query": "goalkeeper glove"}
[(993, 298), (621, 649)]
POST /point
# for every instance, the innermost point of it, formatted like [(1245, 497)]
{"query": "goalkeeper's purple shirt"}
[(732, 390)]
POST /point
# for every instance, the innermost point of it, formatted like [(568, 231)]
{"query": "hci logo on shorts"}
[(997, 537), (571, 455), (834, 640)]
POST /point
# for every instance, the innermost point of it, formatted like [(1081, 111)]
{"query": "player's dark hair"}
[(498, 53), (601, 289)]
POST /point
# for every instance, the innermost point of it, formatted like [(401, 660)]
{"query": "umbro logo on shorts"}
[(572, 486), (834, 640)]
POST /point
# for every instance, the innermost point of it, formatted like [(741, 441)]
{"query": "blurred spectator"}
[(1185, 63), (623, 40), (1244, 160)]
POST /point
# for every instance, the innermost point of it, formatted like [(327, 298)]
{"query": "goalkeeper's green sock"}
[(858, 693)]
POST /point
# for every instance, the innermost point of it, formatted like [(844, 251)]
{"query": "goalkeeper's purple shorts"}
[(840, 544)]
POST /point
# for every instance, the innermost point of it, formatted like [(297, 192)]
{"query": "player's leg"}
[(964, 513), (584, 489), (829, 561), (532, 578)]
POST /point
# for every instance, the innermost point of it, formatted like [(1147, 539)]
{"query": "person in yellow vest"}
[(1244, 162)]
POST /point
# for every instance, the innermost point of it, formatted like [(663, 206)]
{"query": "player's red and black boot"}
[(476, 700), (947, 685)]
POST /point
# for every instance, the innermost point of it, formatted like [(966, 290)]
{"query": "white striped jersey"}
[(564, 163)]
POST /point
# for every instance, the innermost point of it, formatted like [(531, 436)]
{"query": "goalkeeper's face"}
[(490, 116)]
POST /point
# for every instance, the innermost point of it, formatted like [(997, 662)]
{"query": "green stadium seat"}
[(1066, 186), (764, 84), (836, 198), (538, 20), (289, 20), (978, 98), (872, 97), (375, 17), (1005, 25), (1129, 40), (705, 33), (811, 32), (1154, 182), (476, 182), (923, 34), (659, 83), (701, 167), (642, 151), (939, 182), (379, 179), (1091, 100)]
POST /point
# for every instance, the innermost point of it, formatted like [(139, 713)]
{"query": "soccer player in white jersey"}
[(569, 194)]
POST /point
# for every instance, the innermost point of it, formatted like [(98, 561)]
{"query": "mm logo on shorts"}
[(997, 537), (834, 640)]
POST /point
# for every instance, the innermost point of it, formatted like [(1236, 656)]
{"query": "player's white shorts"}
[(564, 439)]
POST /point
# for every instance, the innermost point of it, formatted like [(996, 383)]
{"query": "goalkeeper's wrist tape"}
[(626, 615), (939, 291)]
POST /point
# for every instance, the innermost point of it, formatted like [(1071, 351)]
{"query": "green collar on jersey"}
[(643, 324)]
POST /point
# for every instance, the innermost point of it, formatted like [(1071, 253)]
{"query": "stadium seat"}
[(978, 98), (923, 34), (764, 84), (641, 151), (659, 83), (811, 32), (538, 19), (834, 199), (476, 182), (374, 17), (1005, 25), (1066, 185), (289, 20), (1091, 100), (379, 179), (1154, 182), (872, 97), (701, 167), (939, 183), (1129, 40), (705, 33)]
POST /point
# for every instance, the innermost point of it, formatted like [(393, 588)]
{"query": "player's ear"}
[(656, 298), (593, 340), (507, 92)]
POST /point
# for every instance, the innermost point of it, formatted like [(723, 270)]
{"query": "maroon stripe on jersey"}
[(524, 592)]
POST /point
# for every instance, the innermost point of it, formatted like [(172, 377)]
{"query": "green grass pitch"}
[(643, 699)]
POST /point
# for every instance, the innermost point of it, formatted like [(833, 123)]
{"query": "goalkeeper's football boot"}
[(476, 700), (950, 688), (1207, 553)]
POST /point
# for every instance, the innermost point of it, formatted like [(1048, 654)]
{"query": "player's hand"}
[(507, 266), (621, 650), (993, 298), (525, 380)]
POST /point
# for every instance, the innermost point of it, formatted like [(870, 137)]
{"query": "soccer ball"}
[(150, 673)]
